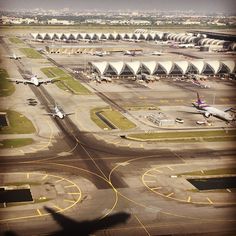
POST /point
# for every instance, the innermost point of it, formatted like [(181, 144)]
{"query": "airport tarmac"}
[(88, 173)]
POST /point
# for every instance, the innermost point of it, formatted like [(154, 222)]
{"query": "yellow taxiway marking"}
[(116, 142), (158, 171), (156, 188), (73, 193), (164, 100), (150, 175), (27, 175), (228, 190), (57, 207), (141, 145), (68, 200), (170, 194), (142, 225), (179, 156), (44, 177), (209, 200), (170, 168), (69, 186), (39, 212), (202, 171), (150, 181), (59, 180), (189, 199)]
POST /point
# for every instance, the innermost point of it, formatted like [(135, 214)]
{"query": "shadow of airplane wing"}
[(85, 228)]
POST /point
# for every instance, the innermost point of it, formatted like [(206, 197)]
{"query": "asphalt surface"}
[(114, 193)]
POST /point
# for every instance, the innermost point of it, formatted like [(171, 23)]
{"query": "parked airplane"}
[(132, 53), (33, 80), (99, 78), (105, 78), (186, 45), (101, 53), (208, 111), (145, 77), (57, 112), (156, 53)]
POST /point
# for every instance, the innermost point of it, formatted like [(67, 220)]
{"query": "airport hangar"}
[(163, 68), (199, 39)]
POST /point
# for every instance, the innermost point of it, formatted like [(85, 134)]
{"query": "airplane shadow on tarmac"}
[(82, 228)]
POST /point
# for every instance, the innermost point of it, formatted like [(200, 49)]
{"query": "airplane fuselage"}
[(208, 111), (35, 81), (58, 113)]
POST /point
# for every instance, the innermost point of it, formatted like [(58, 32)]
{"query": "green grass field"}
[(188, 136), (31, 53), (66, 81), (14, 143), (115, 117), (6, 87), (118, 119), (19, 124), (114, 28), (16, 40), (97, 120)]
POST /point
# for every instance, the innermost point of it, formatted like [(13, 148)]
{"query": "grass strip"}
[(14, 143), (18, 124), (31, 53), (65, 81), (6, 87)]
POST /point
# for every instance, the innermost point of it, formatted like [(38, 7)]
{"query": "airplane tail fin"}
[(199, 101)]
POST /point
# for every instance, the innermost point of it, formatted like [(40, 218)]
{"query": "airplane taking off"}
[(57, 112), (33, 80), (208, 111)]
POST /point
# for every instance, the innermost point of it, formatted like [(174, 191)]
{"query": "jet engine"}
[(207, 114)]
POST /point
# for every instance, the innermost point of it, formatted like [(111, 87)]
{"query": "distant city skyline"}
[(207, 6)]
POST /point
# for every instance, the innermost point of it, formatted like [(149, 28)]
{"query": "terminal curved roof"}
[(105, 36), (181, 67)]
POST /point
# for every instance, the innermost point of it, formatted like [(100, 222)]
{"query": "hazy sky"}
[(168, 5)]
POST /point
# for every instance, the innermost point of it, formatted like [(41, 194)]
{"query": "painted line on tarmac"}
[(209, 200), (69, 186), (189, 199), (39, 212), (68, 200), (143, 226), (170, 194)]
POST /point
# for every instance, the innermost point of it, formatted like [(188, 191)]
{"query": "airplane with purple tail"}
[(208, 111)]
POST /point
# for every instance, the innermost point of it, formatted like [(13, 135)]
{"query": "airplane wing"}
[(47, 81), (228, 109), (18, 81), (70, 113), (50, 113)]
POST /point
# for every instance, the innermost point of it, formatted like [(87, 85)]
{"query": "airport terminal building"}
[(163, 68), (197, 39)]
